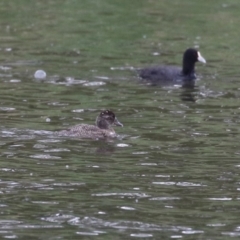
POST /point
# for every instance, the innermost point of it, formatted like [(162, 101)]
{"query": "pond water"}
[(173, 172)]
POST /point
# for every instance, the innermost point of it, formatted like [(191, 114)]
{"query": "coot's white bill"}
[(201, 58)]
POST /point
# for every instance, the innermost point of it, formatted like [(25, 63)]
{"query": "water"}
[(173, 173)]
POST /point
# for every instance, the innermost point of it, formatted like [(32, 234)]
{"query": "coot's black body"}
[(172, 74)]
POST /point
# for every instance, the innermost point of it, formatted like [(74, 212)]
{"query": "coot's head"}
[(190, 57), (107, 118)]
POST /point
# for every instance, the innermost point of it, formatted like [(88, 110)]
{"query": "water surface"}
[(173, 172)]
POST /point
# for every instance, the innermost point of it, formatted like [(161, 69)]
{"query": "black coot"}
[(172, 74)]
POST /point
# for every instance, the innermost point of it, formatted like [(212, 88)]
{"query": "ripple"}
[(189, 184), (123, 68), (68, 184), (192, 232), (127, 208), (78, 110), (148, 164), (92, 222), (58, 150), (7, 109), (102, 77), (162, 176), (57, 104), (68, 81), (87, 233), (15, 80), (29, 226), (216, 225), (45, 202), (58, 218), (93, 84), (164, 198), (122, 145), (39, 146), (44, 156), (8, 132), (4, 68), (231, 234), (164, 183), (141, 235), (142, 195), (140, 153), (9, 222), (50, 140), (220, 199), (184, 184), (71, 80), (11, 237)]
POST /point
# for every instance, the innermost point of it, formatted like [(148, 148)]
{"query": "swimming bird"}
[(168, 75), (102, 129)]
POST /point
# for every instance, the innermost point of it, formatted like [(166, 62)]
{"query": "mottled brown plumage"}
[(103, 128)]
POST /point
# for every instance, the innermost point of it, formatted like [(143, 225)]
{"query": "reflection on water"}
[(188, 93), (173, 171)]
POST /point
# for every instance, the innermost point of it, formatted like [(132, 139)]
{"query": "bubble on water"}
[(40, 74)]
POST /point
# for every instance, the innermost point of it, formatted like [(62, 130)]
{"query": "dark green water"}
[(174, 171)]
